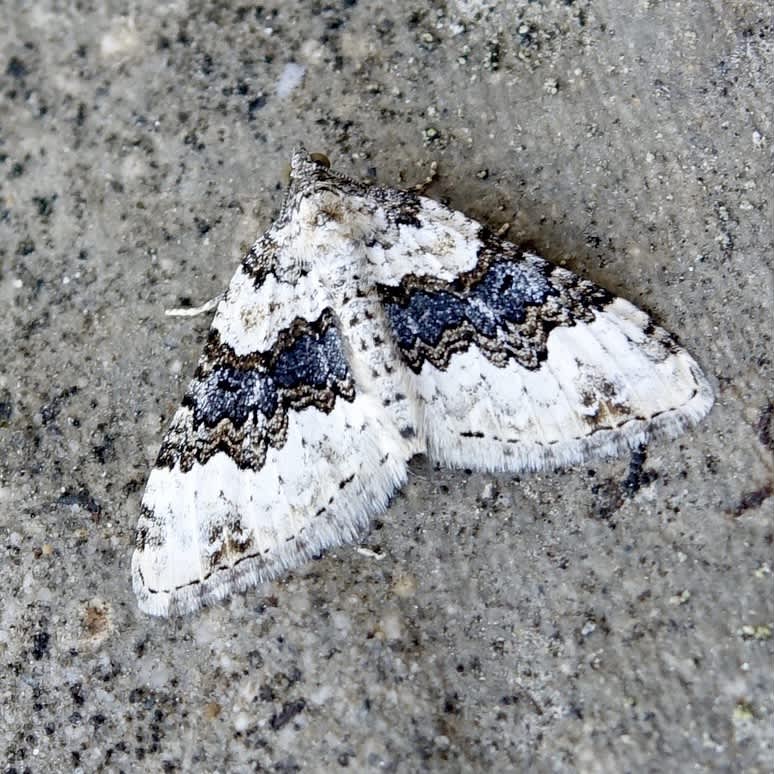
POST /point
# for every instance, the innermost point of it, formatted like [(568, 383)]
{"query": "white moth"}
[(365, 326)]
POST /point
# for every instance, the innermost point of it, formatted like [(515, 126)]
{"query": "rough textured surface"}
[(610, 618)]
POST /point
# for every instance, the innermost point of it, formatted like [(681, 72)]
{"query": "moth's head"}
[(325, 216), (310, 182), (305, 167)]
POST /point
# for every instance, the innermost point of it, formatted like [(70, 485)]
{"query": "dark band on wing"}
[(506, 306), (239, 404)]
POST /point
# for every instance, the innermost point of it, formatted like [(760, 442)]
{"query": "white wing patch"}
[(219, 527), (368, 325), (443, 244)]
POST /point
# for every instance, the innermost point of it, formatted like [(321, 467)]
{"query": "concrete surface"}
[(613, 618)]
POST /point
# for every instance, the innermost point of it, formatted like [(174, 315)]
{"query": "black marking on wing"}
[(506, 306), (260, 259), (239, 404)]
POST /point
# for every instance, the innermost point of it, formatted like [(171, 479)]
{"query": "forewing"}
[(273, 456), (519, 364)]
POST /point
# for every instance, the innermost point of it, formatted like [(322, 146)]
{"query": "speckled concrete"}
[(616, 617)]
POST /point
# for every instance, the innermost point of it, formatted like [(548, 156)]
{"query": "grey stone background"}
[(616, 617)]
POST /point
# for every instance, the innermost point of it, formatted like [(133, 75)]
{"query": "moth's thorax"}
[(325, 241), (330, 228)]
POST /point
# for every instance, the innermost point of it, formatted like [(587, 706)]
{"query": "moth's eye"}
[(321, 159)]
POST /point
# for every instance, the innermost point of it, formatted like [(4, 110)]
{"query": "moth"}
[(368, 325)]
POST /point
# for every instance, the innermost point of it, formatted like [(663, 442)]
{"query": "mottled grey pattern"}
[(312, 179)]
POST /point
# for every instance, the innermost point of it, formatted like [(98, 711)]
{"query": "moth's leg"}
[(194, 311)]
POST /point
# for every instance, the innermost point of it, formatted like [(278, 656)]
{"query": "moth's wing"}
[(519, 364), (273, 456)]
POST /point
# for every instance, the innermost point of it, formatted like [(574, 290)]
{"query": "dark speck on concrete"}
[(40, 645), (16, 68), (765, 426), (254, 105), (286, 714), (636, 476), (25, 247), (82, 499), (44, 205), (6, 406)]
